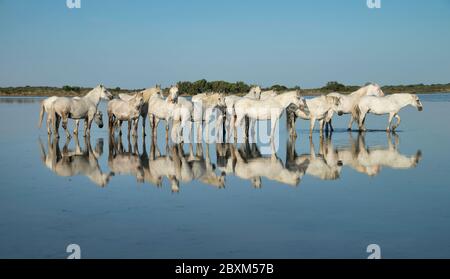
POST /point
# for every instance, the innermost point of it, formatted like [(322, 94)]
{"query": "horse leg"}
[(155, 126), (230, 120), (350, 123), (144, 117), (391, 116), (396, 124), (65, 120), (274, 121), (129, 127), (330, 124), (321, 123), (312, 122), (237, 123), (151, 120), (136, 124), (49, 123), (207, 117), (77, 124), (85, 127), (111, 122), (292, 121), (89, 120), (167, 130), (252, 128), (362, 119), (119, 124), (56, 119), (199, 131), (246, 126)]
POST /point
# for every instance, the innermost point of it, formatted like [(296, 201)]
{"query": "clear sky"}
[(134, 43)]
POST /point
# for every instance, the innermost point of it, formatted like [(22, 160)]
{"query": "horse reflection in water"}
[(123, 161), (370, 160), (324, 165), (174, 165), (178, 167), (244, 161), (248, 164), (75, 162)]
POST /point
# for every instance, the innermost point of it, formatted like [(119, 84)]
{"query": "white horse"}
[(147, 94), (230, 100), (385, 105), (78, 108), (182, 114), (159, 109), (318, 109), (46, 107), (266, 109), (162, 109), (204, 106), (349, 102), (120, 110)]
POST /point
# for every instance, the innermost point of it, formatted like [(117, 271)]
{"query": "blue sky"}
[(134, 44)]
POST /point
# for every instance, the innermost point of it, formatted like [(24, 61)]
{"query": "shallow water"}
[(107, 196)]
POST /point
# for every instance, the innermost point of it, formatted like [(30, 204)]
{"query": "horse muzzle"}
[(340, 113), (420, 108), (100, 126)]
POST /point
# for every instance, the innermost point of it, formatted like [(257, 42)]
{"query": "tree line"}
[(239, 87)]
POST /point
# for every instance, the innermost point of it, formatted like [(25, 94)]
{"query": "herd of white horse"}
[(180, 112)]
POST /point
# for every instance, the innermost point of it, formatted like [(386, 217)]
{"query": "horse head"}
[(303, 106), (335, 103), (138, 100), (98, 118), (173, 94), (415, 102), (221, 100), (104, 93), (256, 92)]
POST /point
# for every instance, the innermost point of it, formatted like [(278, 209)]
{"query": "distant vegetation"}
[(66, 90), (240, 87)]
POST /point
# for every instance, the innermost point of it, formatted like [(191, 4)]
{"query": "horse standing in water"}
[(46, 107), (120, 110), (385, 105), (349, 102), (162, 109), (270, 109), (254, 94), (147, 94), (317, 109), (204, 106), (79, 108)]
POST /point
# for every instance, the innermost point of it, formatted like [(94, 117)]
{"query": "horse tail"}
[(356, 112), (41, 114)]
